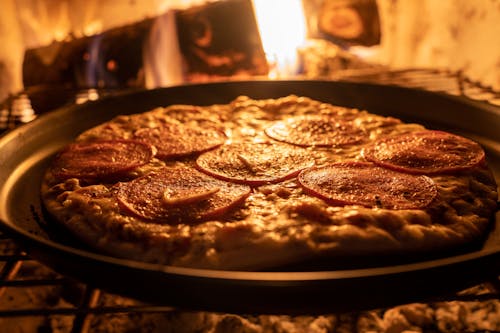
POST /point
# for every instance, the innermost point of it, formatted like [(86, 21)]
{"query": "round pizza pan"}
[(25, 152)]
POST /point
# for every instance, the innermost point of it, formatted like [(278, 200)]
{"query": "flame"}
[(282, 31)]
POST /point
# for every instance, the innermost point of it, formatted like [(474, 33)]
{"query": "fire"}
[(282, 30), (156, 41)]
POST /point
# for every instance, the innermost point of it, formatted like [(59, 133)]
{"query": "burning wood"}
[(111, 59), (218, 39), (177, 46)]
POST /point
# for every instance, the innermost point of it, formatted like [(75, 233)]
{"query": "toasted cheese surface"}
[(277, 223)]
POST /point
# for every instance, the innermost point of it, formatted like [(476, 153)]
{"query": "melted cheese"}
[(278, 224)]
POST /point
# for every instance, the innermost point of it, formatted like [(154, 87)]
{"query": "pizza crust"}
[(278, 224)]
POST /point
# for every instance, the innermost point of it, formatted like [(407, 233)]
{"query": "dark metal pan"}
[(24, 154)]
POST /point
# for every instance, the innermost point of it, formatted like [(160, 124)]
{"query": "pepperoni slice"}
[(255, 163), (179, 195), (101, 159), (365, 184), (317, 130), (426, 152), (177, 140)]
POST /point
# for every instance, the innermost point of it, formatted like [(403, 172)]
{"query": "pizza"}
[(270, 183)]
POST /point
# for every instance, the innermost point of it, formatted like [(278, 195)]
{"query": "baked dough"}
[(276, 221)]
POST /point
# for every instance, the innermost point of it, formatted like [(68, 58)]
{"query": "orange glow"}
[(282, 30), (111, 65)]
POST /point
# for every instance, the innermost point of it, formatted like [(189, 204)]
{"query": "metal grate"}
[(50, 295), (31, 291), (57, 301), (436, 80)]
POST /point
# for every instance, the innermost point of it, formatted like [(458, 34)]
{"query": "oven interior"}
[(74, 52)]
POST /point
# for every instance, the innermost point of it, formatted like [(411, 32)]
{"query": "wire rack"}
[(29, 291)]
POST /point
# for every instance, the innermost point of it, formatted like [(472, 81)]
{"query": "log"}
[(112, 59)]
